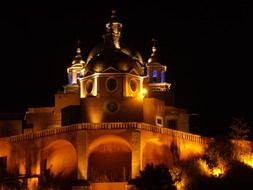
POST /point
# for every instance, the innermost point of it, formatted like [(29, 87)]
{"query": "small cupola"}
[(113, 27), (155, 70), (74, 71)]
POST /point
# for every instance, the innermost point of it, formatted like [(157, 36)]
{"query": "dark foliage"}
[(238, 177), (154, 178), (220, 150)]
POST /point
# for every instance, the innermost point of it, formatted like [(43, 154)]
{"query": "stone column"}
[(82, 160), (136, 153)]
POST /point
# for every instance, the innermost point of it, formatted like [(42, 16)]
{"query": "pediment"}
[(134, 72), (110, 70)]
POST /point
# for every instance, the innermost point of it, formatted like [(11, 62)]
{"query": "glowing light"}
[(32, 183), (204, 167), (144, 92), (247, 159), (35, 169), (215, 172), (180, 178), (181, 185)]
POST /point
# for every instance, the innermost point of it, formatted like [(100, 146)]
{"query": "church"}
[(115, 115)]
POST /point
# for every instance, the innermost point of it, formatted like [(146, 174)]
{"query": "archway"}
[(109, 160), (59, 161), (156, 153)]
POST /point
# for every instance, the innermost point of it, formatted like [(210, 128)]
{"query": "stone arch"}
[(59, 159), (109, 159), (157, 153)]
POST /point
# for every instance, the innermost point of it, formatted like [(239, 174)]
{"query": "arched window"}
[(111, 84), (155, 76), (89, 86), (78, 75), (162, 76), (133, 85)]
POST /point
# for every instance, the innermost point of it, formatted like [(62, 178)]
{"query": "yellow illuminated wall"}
[(88, 86), (60, 158), (97, 110)]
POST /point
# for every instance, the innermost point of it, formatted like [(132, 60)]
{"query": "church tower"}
[(112, 81), (74, 72), (102, 116), (156, 72)]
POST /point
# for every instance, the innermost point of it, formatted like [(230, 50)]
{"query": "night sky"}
[(206, 46)]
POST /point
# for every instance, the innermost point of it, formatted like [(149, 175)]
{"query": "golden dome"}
[(112, 58), (130, 52), (111, 53)]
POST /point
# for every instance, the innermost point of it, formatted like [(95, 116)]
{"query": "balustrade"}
[(106, 126)]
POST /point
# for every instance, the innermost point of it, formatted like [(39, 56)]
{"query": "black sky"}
[(206, 46)]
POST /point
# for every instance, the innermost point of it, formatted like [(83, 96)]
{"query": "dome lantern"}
[(113, 31), (155, 70)]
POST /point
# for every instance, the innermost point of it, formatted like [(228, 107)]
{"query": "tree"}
[(12, 182), (154, 178), (219, 153), (238, 177), (239, 129)]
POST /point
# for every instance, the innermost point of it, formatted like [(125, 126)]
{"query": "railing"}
[(107, 126), (4, 140), (173, 133)]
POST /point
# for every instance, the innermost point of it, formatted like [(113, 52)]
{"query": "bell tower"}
[(156, 72), (74, 72)]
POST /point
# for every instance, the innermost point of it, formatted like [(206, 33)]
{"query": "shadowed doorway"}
[(110, 161)]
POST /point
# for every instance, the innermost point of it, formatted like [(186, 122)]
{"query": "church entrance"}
[(110, 161)]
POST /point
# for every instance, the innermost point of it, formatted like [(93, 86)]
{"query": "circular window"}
[(111, 84), (133, 85), (89, 86), (112, 107)]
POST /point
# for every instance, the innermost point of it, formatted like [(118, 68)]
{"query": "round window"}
[(111, 84), (133, 85), (112, 107), (89, 86)]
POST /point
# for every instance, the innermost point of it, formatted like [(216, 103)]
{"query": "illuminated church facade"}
[(115, 115)]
